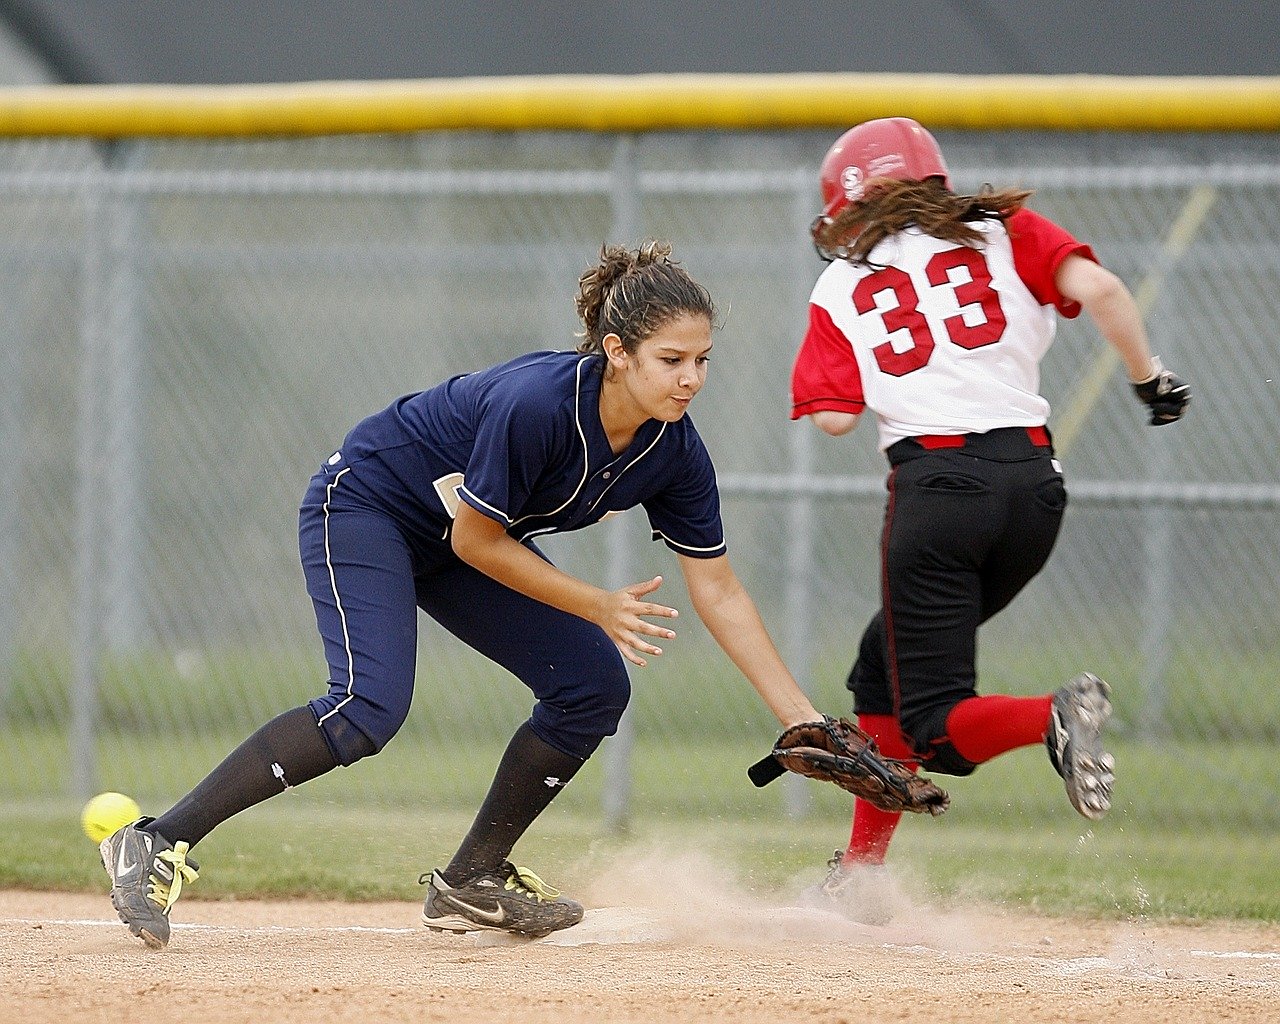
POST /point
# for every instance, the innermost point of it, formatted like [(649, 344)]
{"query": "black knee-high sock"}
[(529, 777), (287, 751)]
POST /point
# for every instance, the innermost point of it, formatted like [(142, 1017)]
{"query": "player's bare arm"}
[(484, 544), (1111, 306), (837, 424), (731, 617)]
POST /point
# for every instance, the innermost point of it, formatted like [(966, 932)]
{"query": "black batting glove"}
[(1164, 393)]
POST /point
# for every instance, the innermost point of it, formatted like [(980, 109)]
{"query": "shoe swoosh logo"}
[(492, 916), (123, 867)]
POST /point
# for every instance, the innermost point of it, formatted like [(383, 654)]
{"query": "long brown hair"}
[(891, 205), (634, 292)]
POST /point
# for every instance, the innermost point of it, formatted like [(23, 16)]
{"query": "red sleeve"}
[(1039, 247), (825, 377)]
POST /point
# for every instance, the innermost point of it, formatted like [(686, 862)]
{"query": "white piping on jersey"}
[(537, 533), (491, 508), (686, 547), (600, 498), (618, 476), (586, 469), (342, 615), (586, 460)]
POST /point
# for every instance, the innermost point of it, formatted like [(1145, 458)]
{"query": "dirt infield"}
[(66, 958)]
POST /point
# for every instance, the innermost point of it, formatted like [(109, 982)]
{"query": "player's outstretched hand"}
[(1165, 394), (620, 615)]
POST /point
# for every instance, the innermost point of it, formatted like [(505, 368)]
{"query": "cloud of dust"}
[(694, 896)]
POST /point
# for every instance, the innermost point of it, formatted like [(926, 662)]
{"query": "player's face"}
[(669, 368)]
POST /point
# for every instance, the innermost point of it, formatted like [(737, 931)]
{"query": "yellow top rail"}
[(632, 103)]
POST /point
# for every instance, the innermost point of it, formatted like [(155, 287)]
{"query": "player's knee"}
[(347, 742), (871, 692), (578, 717), (927, 734), (356, 727), (944, 759)]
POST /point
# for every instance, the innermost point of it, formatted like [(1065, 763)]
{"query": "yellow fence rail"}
[(647, 103)]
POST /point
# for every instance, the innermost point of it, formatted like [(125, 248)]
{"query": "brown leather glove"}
[(835, 750)]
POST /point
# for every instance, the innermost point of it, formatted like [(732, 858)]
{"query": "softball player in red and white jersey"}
[(934, 315)]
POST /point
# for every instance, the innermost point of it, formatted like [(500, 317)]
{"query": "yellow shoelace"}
[(163, 894), (526, 881)]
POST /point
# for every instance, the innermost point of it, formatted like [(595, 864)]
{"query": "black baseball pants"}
[(968, 522)]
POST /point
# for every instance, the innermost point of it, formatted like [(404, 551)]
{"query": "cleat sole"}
[(456, 924), (1090, 774), (151, 941)]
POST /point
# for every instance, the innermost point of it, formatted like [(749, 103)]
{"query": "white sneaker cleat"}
[(1074, 741), (862, 893)]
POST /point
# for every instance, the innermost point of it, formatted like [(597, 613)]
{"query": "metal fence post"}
[(1157, 606), (123, 505), (1157, 618), (12, 442), (625, 202), (798, 649), (107, 529), (87, 640)]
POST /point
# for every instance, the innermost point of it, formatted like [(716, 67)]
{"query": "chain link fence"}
[(191, 327)]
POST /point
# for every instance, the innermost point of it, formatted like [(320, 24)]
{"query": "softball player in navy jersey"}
[(934, 315), (434, 503)]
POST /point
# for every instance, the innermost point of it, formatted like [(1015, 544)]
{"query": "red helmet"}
[(889, 147)]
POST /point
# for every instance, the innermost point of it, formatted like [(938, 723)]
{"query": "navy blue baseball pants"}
[(368, 576)]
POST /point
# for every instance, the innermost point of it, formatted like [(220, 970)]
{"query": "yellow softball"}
[(107, 813)]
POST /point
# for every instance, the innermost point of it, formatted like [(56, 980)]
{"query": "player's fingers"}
[(659, 610), (647, 587), (656, 611), (631, 656), (653, 629), (640, 644)]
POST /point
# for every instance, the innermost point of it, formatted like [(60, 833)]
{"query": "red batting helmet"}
[(888, 147)]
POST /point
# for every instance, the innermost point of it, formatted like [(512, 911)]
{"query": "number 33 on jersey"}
[(932, 335)]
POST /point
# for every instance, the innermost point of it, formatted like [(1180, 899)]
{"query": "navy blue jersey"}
[(522, 443)]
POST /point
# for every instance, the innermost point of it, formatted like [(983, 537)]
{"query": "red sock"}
[(872, 827), (982, 727)]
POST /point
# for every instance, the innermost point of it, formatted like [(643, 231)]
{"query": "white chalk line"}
[(1075, 965), (1234, 954), (287, 929)]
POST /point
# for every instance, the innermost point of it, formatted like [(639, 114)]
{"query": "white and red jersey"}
[(936, 337)]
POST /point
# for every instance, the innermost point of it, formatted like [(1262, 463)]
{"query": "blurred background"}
[(190, 327), (226, 41)]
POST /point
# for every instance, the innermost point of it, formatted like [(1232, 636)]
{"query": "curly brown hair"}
[(634, 292), (891, 205)]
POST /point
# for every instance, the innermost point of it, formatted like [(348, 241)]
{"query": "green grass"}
[(1193, 833), (1193, 847), (1220, 687), (334, 853), (1163, 785)]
